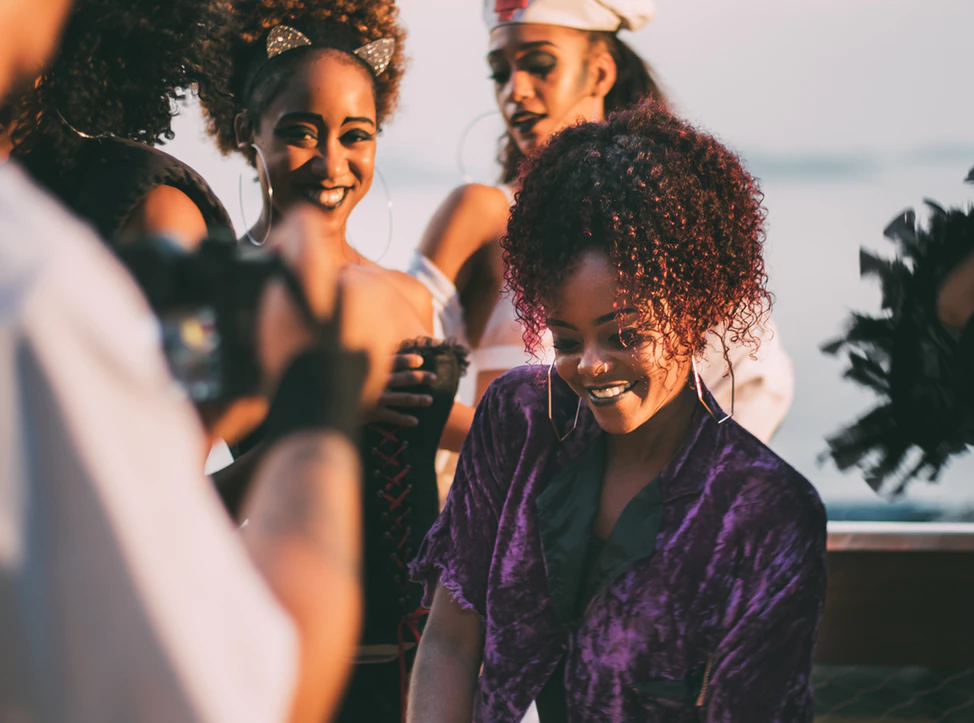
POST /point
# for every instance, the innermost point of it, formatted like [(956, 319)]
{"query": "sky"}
[(848, 112)]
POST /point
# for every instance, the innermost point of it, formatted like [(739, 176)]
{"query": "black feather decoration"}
[(908, 358)]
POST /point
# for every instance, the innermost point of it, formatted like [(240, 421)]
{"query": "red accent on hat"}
[(505, 9)]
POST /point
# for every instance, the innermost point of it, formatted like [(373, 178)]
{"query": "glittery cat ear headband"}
[(377, 54)]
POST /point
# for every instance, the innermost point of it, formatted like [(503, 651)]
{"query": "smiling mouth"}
[(327, 198), (609, 394), (525, 121)]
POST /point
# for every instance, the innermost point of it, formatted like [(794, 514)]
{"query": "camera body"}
[(207, 305)]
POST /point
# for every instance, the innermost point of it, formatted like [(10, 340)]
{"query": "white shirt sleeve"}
[(763, 386), (124, 592)]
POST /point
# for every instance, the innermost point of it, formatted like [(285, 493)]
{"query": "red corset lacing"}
[(395, 493)]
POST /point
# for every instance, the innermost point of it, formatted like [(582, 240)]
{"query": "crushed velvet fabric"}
[(737, 575)]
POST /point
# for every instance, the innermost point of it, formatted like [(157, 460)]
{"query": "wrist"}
[(320, 390)]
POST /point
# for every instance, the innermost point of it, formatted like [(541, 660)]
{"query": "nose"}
[(519, 87), (592, 364), (331, 160)]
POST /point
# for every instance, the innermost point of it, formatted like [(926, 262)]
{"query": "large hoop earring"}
[(699, 386), (385, 188), (81, 134), (578, 410), (467, 178), (269, 201)]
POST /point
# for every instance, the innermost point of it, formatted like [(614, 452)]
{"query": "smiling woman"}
[(615, 547), (312, 84)]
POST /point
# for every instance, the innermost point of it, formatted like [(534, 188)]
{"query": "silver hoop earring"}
[(385, 188), (699, 386), (269, 201), (467, 178), (578, 410)]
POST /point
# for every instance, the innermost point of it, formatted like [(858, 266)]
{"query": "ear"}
[(603, 72), (243, 128)]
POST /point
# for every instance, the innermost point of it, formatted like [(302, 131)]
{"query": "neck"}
[(662, 435), (332, 235)]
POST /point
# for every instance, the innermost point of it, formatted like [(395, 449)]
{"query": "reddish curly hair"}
[(673, 209), (339, 24)]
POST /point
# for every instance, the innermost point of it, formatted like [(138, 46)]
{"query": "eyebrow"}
[(316, 119), (534, 45), (604, 319)]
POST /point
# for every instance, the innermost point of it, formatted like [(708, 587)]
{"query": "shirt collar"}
[(683, 475)]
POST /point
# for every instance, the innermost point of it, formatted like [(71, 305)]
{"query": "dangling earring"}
[(269, 203), (699, 386), (561, 437), (385, 187), (467, 177)]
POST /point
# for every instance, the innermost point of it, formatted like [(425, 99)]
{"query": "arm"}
[(454, 564), (470, 217), (447, 664), (762, 668), (304, 535), (457, 427), (955, 301)]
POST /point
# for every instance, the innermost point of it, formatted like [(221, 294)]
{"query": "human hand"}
[(406, 373), (955, 299), (283, 332)]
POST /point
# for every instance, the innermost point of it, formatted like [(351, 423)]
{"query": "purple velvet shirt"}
[(735, 573)]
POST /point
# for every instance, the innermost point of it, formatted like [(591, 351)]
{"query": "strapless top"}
[(400, 498)]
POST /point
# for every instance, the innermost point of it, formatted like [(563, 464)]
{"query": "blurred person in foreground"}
[(125, 593)]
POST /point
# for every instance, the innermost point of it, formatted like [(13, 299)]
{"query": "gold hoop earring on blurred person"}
[(561, 437), (699, 385), (267, 199)]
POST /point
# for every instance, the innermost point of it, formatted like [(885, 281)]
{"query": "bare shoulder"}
[(168, 211), (417, 294), (471, 216), (405, 297)]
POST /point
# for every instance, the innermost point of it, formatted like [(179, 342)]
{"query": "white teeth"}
[(610, 392), (328, 197), (331, 197)]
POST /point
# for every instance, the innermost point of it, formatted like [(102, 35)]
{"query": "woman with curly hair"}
[(615, 546), (555, 63), (85, 129), (311, 86)]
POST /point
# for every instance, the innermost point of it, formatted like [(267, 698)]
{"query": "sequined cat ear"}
[(284, 38), (378, 54)]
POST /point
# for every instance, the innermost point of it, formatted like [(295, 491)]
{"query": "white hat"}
[(595, 15)]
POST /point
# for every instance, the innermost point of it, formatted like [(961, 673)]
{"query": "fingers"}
[(297, 238), (397, 380), (382, 414), (404, 399), (407, 361)]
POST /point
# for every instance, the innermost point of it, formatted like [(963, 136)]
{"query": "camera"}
[(206, 303)]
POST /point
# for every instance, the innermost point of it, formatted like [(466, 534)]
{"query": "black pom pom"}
[(914, 365)]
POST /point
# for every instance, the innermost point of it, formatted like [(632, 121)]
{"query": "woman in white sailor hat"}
[(555, 63)]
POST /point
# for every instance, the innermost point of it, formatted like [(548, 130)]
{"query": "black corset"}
[(401, 500)]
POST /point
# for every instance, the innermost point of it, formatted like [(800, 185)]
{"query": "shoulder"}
[(168, 211), (768, 494), (477, 198), (417, 294), (519, 399), (123, 182)]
